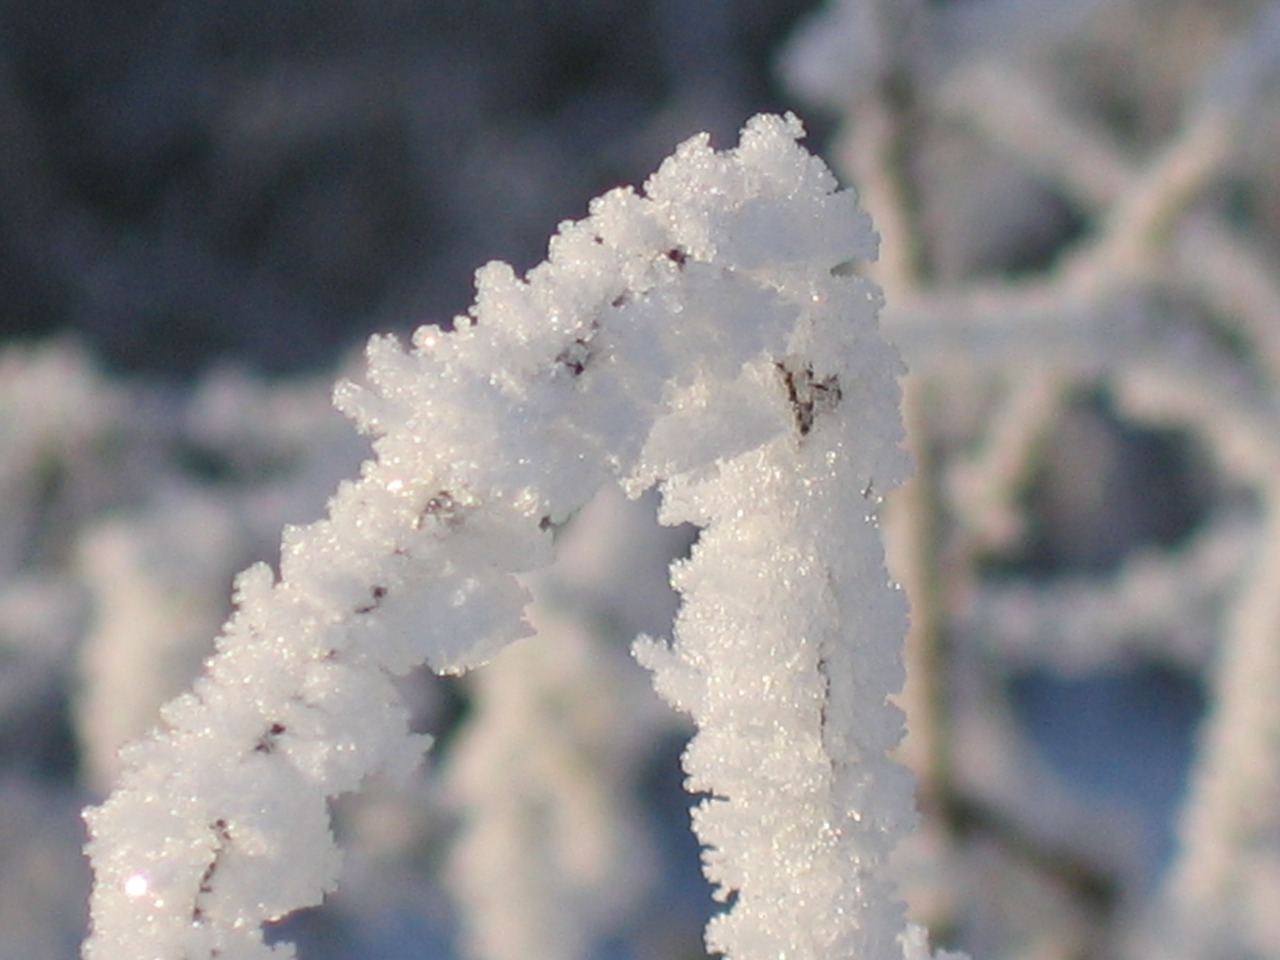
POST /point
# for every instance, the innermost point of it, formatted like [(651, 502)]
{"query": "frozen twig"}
[(1221, 894), (703, 336)]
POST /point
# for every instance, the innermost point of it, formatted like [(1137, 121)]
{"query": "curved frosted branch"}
[(703, 334)]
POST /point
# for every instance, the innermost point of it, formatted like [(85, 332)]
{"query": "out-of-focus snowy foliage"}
[(1080, 260), (1081, 257)]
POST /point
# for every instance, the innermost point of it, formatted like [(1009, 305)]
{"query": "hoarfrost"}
[(705, 335)]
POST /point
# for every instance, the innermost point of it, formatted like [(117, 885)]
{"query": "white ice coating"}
[(706, 335)]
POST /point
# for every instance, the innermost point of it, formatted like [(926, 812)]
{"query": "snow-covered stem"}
[(1238, 283), (1164, 608), (876, 149), (1222, 893), (706, 336), (1008, 107), (982, 485)]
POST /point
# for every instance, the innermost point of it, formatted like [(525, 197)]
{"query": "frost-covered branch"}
[(1221, 894), (705, 336), (1166, 608)]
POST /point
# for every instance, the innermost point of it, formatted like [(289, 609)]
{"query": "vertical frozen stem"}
[(1223, 890)]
